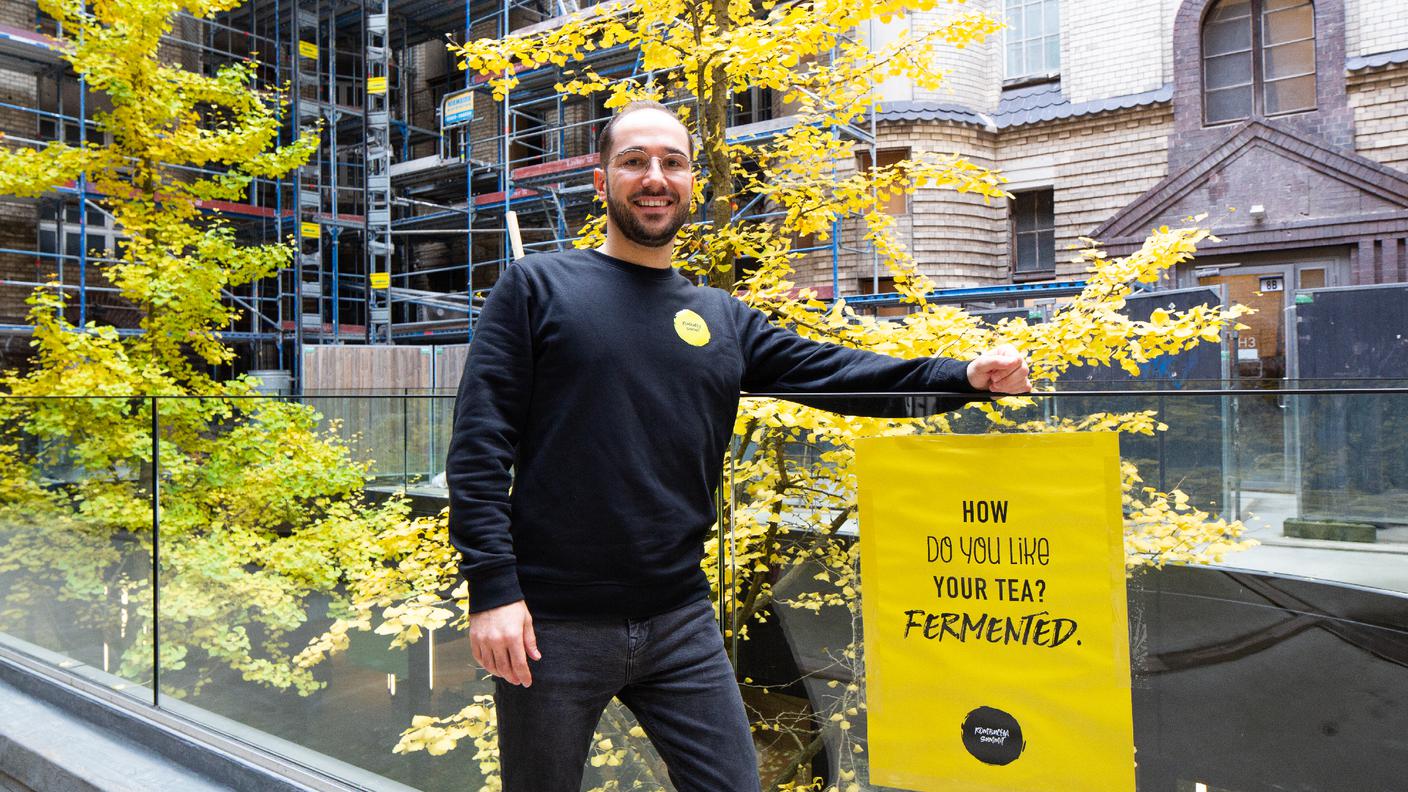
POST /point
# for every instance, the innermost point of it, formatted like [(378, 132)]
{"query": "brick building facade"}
[(1109, 132)]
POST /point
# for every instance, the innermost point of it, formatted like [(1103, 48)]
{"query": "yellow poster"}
[(308, 49), (993, 586), (381, 280)]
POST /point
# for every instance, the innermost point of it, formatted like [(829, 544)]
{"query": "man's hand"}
[(502, 640), (1000, 370)]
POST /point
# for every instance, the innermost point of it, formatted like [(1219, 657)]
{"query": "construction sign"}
[(457, 109), (996, 637)]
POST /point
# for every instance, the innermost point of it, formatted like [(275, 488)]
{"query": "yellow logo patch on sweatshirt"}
[(691, 327)]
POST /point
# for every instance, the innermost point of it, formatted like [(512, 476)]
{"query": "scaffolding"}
[(402, 215)]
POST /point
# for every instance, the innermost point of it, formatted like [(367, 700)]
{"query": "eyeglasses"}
[(636, 161)]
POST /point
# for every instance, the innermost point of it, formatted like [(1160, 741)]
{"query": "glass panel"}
[(1291, 25), (1289, 60), (1232, 35), (1312, 278), (1046, 249), (1231, 9), (1023, 212), (250, 582), (1229, 104), (76, 537), (1014, 8), (1035, 64), (1053, 54), (1014, 59), (1286, 96), (1053, 17), (1027, 260), (1224, 71), (1327, 612), (1042, 202), (1031, 21), (1278, 5)]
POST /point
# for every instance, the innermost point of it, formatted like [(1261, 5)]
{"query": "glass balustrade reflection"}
[(76, 583), (290, 526), (1283, 598)]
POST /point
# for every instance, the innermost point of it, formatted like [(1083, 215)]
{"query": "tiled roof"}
[(1028, 104), (1036, 103), (1376, 60), (930, 111)]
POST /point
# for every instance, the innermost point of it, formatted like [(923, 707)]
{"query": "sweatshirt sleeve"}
[(490, 412), (780, 361)]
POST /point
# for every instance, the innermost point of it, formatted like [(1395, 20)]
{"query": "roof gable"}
[(1295, 178)]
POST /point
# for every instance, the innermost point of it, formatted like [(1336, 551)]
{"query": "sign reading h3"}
[(457, 109)]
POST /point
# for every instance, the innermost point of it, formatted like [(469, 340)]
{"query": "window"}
[(1258, 59), (752, 105), (1034, 232), (1033, 38), (101, 237), (897, 204)]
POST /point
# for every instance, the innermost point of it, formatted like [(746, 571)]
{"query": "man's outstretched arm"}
[(779, 360)]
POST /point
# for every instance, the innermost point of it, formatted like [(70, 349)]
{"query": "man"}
[(603, 385)]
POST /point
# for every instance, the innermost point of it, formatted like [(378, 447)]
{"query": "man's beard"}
[(623, 215)]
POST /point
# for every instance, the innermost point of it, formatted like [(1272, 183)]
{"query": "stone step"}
[(44, 748)]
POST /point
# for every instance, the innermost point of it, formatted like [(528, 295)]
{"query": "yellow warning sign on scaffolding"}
[(376, 85), (381, 280), (996, 637), (308, 49), (309, 230)]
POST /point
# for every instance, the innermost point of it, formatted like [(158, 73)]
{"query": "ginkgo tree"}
[(259, 506), (698, 54), (260, 510)]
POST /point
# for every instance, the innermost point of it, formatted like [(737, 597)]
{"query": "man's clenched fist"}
[(1000, 370)]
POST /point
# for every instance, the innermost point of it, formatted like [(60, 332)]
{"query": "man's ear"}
[(599, 182)]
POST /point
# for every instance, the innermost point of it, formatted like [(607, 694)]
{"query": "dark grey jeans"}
[(670, 670)]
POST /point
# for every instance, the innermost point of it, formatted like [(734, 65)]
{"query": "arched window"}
[(1258, 59)]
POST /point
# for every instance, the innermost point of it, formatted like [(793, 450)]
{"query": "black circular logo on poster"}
[(992, 736)]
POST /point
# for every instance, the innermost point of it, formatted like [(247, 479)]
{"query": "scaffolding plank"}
[(28, 45), (489, 199), (581, 163)]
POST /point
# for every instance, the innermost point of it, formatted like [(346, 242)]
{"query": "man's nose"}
[(655, 171)]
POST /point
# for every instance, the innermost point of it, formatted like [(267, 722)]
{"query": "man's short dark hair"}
[(604, 141)]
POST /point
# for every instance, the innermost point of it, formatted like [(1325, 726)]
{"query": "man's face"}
[(647, 192)]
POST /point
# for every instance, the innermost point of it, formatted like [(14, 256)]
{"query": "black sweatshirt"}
[(606, 393)]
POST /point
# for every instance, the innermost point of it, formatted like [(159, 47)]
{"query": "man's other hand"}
[(1000, 370), (502, 641)]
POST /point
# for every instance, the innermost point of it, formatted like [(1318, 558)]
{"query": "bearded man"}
[(603, 385)]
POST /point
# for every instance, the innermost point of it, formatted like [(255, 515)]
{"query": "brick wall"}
[(1114, 49), (17, 218), (18, 13), (1380, 103), (1375, 26), (974, 72), (951, 236), (1095, 166)]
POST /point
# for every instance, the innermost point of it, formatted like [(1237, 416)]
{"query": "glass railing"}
[(254, 600), (1279, 596)]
